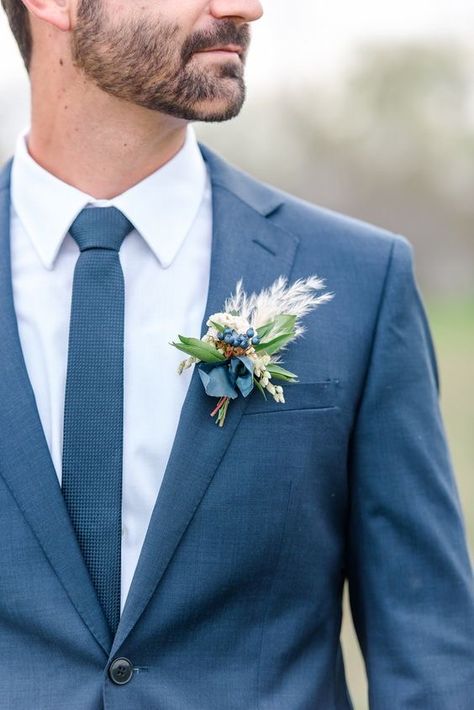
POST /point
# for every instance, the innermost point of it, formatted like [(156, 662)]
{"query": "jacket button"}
[(121, 671)]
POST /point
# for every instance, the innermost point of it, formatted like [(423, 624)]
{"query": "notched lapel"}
[(26, 464), (245, 245)]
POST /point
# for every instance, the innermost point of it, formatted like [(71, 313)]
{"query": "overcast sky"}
[(310, 39)]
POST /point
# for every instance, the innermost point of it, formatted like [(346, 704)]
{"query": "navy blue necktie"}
[(93, 408)]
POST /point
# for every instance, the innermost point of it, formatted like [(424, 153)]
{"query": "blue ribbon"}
[(227, 379)]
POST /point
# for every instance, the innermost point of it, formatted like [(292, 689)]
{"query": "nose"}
[(243, 10)]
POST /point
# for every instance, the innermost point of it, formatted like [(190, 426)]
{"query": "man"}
[(151, 559)]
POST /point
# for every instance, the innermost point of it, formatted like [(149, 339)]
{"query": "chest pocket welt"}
[(324, 394)]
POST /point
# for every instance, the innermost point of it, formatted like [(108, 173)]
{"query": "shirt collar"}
[(162, 207)]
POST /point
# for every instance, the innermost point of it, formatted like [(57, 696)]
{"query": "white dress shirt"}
[(166, 265)]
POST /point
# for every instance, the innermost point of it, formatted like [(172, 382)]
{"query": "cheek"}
[(189, 15)]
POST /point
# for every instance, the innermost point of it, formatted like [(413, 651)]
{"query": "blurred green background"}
[(392, 143), (371, 115)]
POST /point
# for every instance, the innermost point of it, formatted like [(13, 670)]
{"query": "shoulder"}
[(315, 226)]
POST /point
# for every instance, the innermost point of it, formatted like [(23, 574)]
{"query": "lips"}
[(222, 40), (231, 48)]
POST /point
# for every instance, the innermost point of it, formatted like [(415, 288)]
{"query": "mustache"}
[(226, 32)]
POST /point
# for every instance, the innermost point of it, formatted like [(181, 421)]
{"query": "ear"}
[(54, 12)]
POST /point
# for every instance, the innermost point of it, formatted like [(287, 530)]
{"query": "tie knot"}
[(100, 228)]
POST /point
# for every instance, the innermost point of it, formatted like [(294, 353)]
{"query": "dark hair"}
[(20, 25)]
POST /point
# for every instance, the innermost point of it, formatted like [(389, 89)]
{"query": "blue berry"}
[(220, 336), (227, 331), (236, 341), (228, 339), (250, 332), (255, 340), (244, 343)]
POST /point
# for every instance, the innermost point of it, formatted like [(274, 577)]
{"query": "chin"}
[(216, 112), (221, 108)]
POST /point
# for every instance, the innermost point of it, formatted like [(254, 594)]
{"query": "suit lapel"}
[(26, 464), (244, 244)]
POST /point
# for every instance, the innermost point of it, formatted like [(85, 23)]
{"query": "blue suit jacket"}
[(236, 601)]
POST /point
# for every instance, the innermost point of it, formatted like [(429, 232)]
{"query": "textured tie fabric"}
[(93, 408)]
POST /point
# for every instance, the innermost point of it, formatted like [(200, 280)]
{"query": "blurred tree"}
[(393, 143)]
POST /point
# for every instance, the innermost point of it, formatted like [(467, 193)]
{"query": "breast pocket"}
[(275, 447), (324, 394)]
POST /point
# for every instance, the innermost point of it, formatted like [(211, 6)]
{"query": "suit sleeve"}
[(410, 578)]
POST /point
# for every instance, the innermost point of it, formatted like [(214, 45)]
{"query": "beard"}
[(148, 64)]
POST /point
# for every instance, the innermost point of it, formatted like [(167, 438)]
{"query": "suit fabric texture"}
[(236, 600)]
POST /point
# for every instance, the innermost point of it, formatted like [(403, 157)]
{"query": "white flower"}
[(227, 320), (278, 396), (297, 299), (276, 391), (260, 363), (184, 364)]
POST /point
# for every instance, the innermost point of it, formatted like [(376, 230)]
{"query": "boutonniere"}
[(240, 349)]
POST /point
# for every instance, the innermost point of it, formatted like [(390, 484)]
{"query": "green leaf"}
[(202, 344), (184, 348), (262, 389), (279, 373), (263, 330), (188, 349), (217, 326), (272, 346), (200, 349), (283, 323)]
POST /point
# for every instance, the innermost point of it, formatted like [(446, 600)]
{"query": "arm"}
[(411, 585)]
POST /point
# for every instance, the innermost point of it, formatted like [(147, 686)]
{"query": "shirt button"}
[(121, 671)]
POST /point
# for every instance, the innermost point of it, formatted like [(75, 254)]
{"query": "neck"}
[(97, 143)]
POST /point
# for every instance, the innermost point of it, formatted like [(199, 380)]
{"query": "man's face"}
[(151, 53)]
